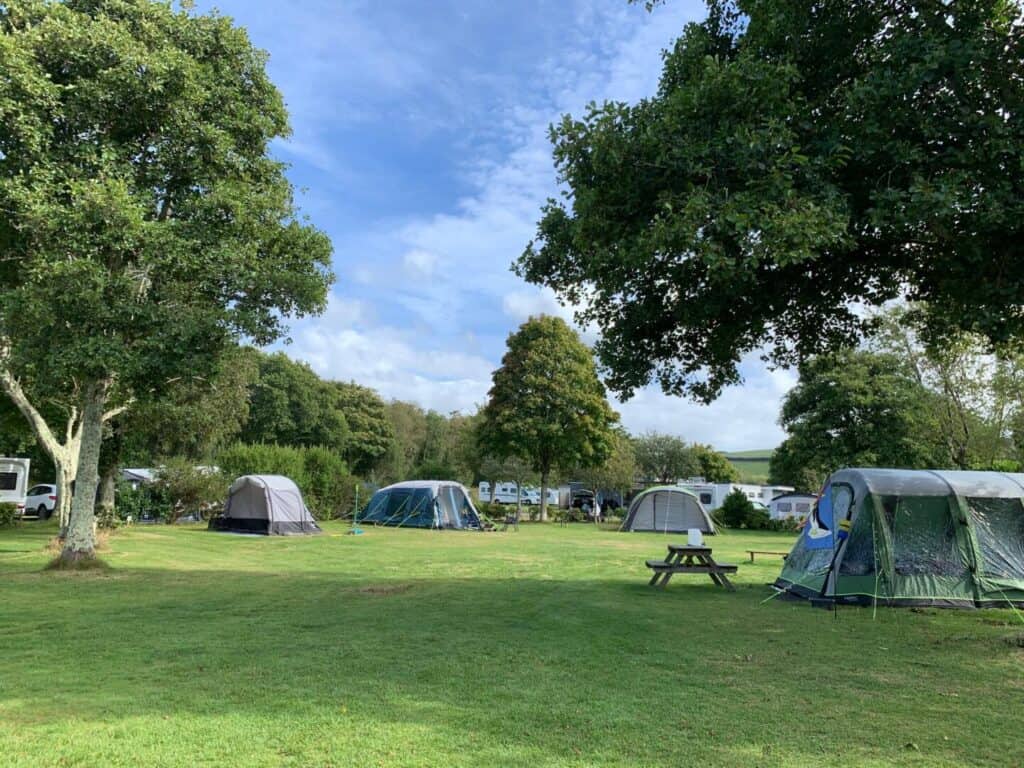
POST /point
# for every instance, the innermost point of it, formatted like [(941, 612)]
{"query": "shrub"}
[(8, 514), (736, 510), (785, 525), (262, 459), (321, 474), (758, 519), (149, 500), (190, 489), (328, 487)]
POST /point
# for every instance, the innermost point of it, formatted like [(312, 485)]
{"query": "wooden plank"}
[(664, 567), (753, 552), (687, 549)]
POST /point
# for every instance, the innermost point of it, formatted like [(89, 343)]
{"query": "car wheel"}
[(43, 512)]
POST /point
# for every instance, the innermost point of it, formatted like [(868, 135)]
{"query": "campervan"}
[(14, 482)]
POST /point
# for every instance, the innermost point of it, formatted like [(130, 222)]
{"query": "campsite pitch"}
[(417, 648)]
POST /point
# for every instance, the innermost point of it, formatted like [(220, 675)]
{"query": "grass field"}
[(416, 648)]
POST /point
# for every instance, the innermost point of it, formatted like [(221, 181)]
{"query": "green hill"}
[(752, 465)]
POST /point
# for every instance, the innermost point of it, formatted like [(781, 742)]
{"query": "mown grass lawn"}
[(538, 648)]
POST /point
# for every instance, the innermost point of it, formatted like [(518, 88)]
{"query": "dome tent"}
[(667, 509), (265, 504), (422, 504), (912, 537)]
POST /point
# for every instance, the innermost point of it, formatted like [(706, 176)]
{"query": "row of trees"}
[(256, 407), (899, 401)]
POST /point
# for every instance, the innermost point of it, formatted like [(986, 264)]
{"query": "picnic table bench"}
[(753, 552), (682, 558)]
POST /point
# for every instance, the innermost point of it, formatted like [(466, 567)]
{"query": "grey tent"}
[(265, 504), (667, 509)]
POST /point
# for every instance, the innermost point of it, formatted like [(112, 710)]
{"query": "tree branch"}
[(116, 411), (12, 387)]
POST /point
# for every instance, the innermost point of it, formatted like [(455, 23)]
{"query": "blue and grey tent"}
[(422, 504)]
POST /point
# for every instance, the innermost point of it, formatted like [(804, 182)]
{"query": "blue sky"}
[(420, 146)]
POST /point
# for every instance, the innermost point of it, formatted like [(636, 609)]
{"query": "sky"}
[(420, 147)]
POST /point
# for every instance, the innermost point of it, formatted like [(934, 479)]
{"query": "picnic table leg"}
[(671, 559), (751, 557), (718, 577)]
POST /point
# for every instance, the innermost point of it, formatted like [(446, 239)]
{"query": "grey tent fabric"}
[(265, 504), (666, 509)]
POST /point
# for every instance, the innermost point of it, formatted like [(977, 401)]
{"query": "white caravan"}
[(506, 493), (712, 495), (14, 482)]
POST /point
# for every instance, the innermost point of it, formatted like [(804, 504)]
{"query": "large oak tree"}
[(145, 225), (797, 158)]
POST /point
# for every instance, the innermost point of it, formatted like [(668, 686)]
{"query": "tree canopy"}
[(547, 405), (664, 458), (291, 405), (796, 159), (145, 225), (855, 409)]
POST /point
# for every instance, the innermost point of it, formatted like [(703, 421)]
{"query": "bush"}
[(736, 510), (149, 500), (320, 473), (328, 487), (262, 459), (8, 514), (758, 519), (189, 489), (785, 525)]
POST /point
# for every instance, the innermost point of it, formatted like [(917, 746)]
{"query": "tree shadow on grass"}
[(336, 668)]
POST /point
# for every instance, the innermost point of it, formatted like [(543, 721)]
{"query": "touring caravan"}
[(14, 482)]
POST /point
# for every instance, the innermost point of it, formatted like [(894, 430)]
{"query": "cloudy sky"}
[(420, 146)]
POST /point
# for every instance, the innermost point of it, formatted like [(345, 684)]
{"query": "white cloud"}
[(449, 272), (348, 343), (421, 263), (743, 418)]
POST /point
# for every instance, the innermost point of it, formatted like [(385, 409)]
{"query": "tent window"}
[(803, 508), (8, 481), (924, 539), (859, 555), (447, 513), (785, 506), (999, 526), (705, 498), (815, 562)]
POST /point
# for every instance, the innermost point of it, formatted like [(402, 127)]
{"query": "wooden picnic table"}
[(682, 558)]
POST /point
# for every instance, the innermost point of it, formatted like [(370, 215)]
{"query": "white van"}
[(14, 482)]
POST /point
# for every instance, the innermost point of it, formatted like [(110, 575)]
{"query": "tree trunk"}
[(544, 496), (107, 487), (80, 543), (65, 476), (64, 456)]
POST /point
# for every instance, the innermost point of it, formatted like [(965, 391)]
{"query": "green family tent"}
[(667, 509), (422, 504), (912, 537)]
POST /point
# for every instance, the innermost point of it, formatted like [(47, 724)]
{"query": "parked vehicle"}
[(505, 493), (41, 500), (14, 482)]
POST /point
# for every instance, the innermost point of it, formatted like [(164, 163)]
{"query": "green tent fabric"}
[(912, 537)]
